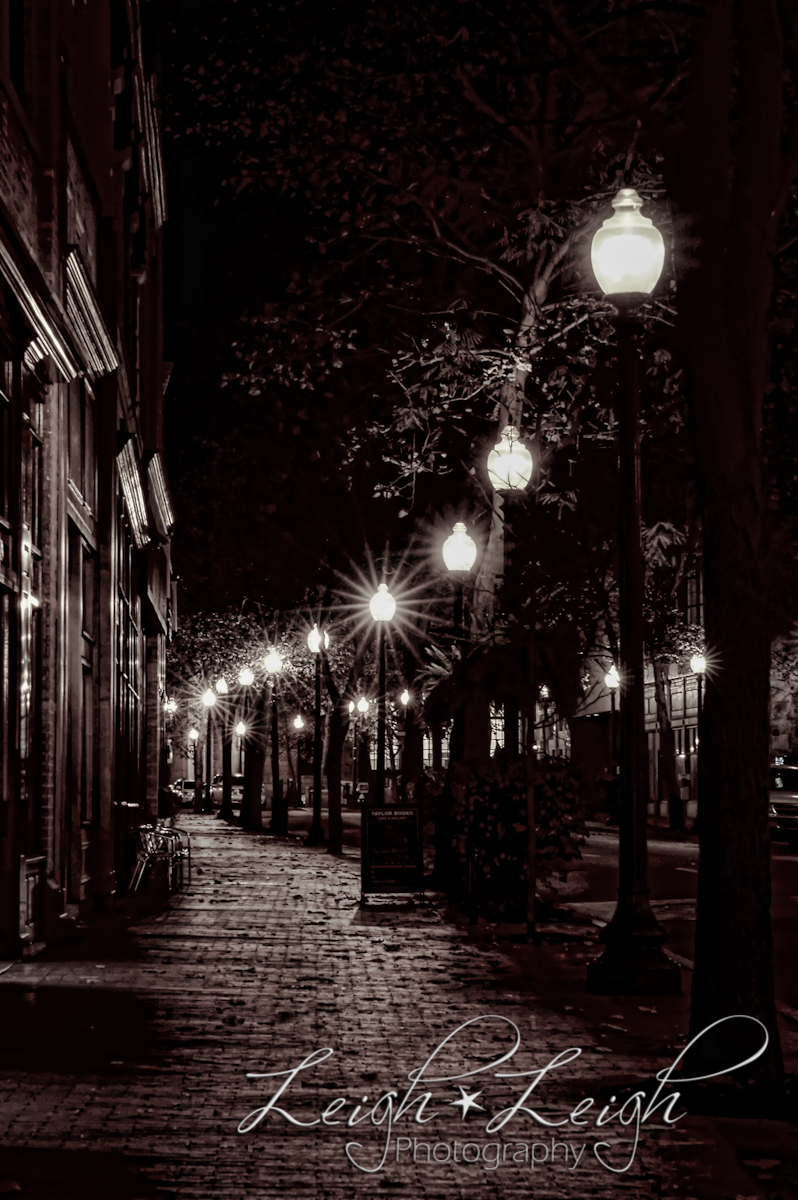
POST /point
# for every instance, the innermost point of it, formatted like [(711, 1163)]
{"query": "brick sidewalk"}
[(267, 957)]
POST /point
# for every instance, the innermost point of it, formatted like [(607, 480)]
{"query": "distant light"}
[(193, 735), (241, 729), (510, 463), (612, 679), (779, 760), (209, 699), (459, 550), (221, 687), (351, 706), (382, 604), (363, 705), (405, 697), (298, 723), (544, 692), (628, 252), (698, 664), (314, 640), (246, 677), (273, 663), (170, 706)]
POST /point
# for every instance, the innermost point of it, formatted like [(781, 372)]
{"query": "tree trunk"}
[(226, 811), (668, 782), (251, 812), (199, 794), (338, 726)]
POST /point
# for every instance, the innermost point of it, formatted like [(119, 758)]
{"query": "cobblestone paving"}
[(266, 958)]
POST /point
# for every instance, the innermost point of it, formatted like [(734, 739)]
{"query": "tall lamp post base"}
[(634, 963)]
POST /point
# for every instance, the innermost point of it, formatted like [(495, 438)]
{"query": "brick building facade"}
[(85, 515)]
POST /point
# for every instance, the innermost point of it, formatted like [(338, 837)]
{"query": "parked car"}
[(238, 788), (185, 790), (783, 807)]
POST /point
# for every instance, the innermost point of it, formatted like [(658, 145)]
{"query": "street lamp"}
[(459, 555), (627, 255), (362, 708), (209, 699), (246, 677), (509, 462), (221, 687), (299, 725), (383, 607), (612, 681), (315, 642), (698, 665), (405, 698), (273, 665), (241, 730), (193, 737)]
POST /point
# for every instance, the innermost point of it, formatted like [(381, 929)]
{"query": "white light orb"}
[(362, 705), (273, 663), (246, 677), (459, 550), (314, 640), (171, 706), (510, 463), (241, 729), (405, 697), (298, 723), (382, 604), (193, 735), (221, 687), (698, 664), (612, 679), (209, 699), (628, 252), (351, 706)]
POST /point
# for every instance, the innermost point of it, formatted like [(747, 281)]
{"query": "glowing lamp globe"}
[(314, 640), (298, 723), (193, 735), (382, 604), (698, 664), (405, 697), (612, 679), (241, 729), (273, 663), (459, 550), (209, 699), (628, 252), (246, 677), (221, 687), (362, 705), (510, 463)]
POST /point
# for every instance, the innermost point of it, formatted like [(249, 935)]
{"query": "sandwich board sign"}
[(391, 858)]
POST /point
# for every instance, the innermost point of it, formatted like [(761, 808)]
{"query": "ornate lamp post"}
[(383, 607), (241, 730), (273, 665), (225, 812), (459, 555), (362, 708), (698, 665), (628, 254), (193, 737), (317, 643), (209, 699)]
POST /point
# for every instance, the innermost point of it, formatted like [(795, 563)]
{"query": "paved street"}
[(268, 957), (673, 875)]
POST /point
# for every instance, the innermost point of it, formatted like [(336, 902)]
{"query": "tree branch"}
[(616, 87)]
